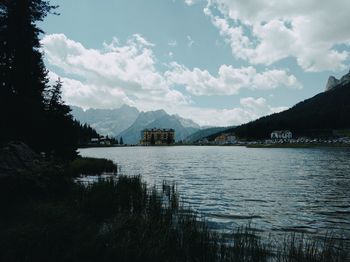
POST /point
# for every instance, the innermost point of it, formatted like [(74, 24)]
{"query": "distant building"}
[(95, 140), (100, 140), (225, 139), (157, 136), (281, 134)]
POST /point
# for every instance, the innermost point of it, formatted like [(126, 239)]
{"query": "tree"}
[(121, 142), (63, 135), (23, 77)]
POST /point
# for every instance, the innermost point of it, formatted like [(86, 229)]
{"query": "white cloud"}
[(126, 74), (229, 80), (172, 43), (106, 78), (266, 31), (190, 41), (191, 2), (250, 109)]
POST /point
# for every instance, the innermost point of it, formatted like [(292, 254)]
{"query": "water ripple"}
[(298, 190)]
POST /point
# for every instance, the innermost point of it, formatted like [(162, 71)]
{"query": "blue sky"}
[(218, 62)]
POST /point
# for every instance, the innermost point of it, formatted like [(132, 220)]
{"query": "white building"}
[(281, 134)]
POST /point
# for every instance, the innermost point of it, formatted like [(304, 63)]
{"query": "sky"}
[(217, 62)]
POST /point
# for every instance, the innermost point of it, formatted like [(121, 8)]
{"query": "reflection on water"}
[(303, 190)]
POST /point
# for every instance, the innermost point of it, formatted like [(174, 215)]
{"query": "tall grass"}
[(91, 166), (125, 220)]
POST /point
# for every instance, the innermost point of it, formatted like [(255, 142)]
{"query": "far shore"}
[(247, 145)]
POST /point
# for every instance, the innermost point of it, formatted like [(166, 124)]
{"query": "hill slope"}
[(200, 134), (314, 117)]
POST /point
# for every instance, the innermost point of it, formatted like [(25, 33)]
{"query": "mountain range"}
[(128, 122)]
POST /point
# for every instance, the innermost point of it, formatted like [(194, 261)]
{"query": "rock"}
[(16, 157), (345, 78), (334, 82), (331, 83)]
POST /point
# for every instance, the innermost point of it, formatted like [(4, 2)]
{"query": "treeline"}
[(314, 117), (31, 110), (85, 133)]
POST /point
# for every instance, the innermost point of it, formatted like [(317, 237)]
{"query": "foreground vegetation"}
[(46, 216)]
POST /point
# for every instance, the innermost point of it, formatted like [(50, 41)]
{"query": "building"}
[(157, 136), (282, 134), (102, 140), (225, 139)]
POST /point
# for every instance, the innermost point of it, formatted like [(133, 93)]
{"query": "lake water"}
[(277, 190)]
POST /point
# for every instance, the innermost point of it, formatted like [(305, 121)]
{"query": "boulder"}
[(16, 157)]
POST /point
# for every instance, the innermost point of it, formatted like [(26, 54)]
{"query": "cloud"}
[(112, 76), (191, 2), (190, 42), (229, 80), (172, 43), (126, 74), (266, 31), (249, 109)]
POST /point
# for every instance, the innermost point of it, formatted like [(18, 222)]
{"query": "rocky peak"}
[(333, 82), (345, 78)]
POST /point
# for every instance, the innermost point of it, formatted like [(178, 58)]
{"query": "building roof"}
[(158, 129)]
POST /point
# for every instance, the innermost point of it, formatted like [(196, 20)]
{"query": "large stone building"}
[(157, 136)]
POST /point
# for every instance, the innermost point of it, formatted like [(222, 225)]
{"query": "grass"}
[(48, 217), (91, 166)]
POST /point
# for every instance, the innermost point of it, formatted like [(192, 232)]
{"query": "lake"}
[(275, 189)]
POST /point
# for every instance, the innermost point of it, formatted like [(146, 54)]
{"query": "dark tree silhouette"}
[(85, 133), (23, 76), (62, 135), (121, 142)]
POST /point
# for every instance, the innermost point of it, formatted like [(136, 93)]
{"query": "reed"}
[(124, 219)]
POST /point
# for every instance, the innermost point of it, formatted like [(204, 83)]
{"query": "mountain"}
[(132, 134), (183, 127), (200, 134), (158, 119), (128, 122), (107, 121), (334, 82), (314, 117)]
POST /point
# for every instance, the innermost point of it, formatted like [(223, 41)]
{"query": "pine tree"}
[(23, 76), (62, 139), (121, 142)]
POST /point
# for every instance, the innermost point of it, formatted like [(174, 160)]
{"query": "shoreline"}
[(287, 145)]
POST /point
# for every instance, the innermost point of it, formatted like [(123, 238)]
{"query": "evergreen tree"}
[(62, 140), (23, 76), (85, 133), (121, 142)]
